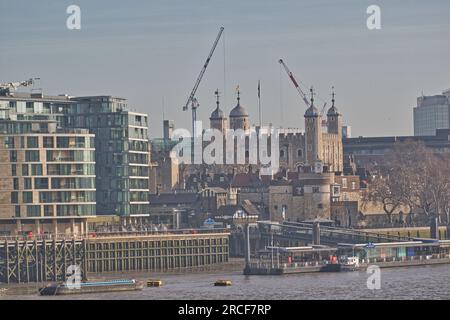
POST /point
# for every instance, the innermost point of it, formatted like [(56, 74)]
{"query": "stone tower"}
[(238, 116), (217, 119), (334, 119), (313, 134)]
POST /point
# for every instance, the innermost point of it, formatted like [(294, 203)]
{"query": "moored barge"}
[(91, 287)]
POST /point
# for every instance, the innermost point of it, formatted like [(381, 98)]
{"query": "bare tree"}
[(413, 176)]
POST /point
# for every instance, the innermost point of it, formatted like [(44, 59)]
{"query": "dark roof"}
[(247, 206), (333, 111), (312, 111), (246, 180), (217, 114), (174, 198), (238, 111)]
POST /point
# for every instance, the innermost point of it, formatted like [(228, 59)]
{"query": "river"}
[(424, 282)]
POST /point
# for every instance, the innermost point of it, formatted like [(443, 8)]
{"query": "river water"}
[(424, 282)]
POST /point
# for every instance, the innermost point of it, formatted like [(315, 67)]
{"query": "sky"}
[(151, 52)]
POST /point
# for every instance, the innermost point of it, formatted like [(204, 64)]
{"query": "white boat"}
[(349, 263)]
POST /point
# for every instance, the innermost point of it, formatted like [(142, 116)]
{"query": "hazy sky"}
[(150, 51)]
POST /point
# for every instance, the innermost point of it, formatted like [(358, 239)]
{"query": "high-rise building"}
[(47, 173), (432, 113), (122, 152)]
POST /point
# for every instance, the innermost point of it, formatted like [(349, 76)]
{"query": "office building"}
[(432, 113)]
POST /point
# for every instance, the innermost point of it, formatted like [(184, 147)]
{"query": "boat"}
[(154, 283), (91, 287), (349, 263), (222, 283)]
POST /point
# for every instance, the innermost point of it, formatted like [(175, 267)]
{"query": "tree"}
[(413, 176)]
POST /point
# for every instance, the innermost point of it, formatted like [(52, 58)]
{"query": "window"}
[(48, 211), (320, 206), (48, 142), (14, 169), (36, 169), (16, 183), (27, 184), (32, 155), (344, 183), (27, 197), (299, 153), (25, 170), (17, 211), (14, 197), (335, 190), (315, 189), (32, 142), (13, 156), (41, 183), (281, 153), (33, 211), (21, 107), (9, 142), (353, 185), (62, 142)]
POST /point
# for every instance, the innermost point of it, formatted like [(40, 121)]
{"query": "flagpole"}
[(259, 103)]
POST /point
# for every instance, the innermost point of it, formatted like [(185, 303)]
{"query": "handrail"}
[(299, 226), (94, 234)]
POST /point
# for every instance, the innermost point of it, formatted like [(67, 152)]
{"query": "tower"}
[(313, 133), (239, 116), (334, 118), (217, 119)]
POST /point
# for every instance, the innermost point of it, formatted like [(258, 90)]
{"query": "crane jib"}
[(208, 59)]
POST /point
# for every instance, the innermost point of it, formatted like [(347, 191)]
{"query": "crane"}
[(300, 91), (192, 100), (5, 88), (291, 76)]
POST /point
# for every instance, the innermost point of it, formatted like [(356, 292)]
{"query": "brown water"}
[(425, 282)]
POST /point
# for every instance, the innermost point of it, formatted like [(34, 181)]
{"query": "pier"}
[(41, 260)]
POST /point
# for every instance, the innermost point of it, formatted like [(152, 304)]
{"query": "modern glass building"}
[(47, 174), (432, 113), (122, 152)]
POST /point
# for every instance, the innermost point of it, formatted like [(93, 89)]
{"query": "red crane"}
[(300, 91)]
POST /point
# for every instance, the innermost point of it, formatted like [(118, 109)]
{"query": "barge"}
[(91, 287)]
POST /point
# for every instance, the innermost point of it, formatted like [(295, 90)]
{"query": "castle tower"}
[(313, 133), (238, 116), (217, 119), (334, 119)]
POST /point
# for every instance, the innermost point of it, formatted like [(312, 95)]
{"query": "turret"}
[(217, 119), (334, 118), (313, 133)]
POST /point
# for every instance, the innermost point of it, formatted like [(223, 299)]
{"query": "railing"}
[(111, 234), (40, 237), (303, 229), (151, 233), (434, 256), (292, 265)]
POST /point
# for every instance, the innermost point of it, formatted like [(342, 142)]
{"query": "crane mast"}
[(192, 100)]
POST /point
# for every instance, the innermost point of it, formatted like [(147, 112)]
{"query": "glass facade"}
[(114, 166), (40, 187), (431, 113), (122, 152)]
